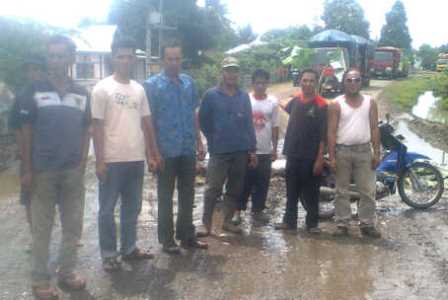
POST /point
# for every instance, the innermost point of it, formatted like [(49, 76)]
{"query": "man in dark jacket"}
[(225, 118)]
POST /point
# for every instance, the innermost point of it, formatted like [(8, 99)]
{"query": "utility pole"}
[(155, 21), (148, 42)]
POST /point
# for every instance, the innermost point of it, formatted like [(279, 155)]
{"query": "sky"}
[(425, 17)]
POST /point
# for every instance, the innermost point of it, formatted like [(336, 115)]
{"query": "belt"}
[(353, 146)]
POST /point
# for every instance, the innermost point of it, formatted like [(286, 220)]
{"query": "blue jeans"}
[(123, 179)]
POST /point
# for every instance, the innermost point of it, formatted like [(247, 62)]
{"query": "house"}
[(93, 54)]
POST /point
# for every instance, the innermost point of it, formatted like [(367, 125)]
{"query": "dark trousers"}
[(301, 183), (182, 169), (123, 180), (256, 184), (228, 169)]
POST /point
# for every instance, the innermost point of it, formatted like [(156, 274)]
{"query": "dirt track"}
[(409, 262)]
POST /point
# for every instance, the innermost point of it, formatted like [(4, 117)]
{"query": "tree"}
[(347, 16), (20, 39), (290, 36), (428, 56), (198, 28), (395, 32), (443, 48), (246, 34)]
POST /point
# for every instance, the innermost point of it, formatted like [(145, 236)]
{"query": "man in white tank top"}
[(354, 153)]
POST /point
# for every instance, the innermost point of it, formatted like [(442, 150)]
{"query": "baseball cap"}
[(230, 62)]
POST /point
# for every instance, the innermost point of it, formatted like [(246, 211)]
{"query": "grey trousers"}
[(355, 162), (229, 168), (66, 189)]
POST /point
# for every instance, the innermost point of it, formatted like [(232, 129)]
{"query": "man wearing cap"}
[(225, 118)]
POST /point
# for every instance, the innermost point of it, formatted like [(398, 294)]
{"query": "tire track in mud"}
[(421, 262)]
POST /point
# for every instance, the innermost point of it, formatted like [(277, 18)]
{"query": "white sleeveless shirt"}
[(354, 123)]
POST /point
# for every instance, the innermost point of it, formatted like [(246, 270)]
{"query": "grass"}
[(405, 93)]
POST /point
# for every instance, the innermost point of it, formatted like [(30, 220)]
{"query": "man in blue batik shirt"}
[(174, 101)]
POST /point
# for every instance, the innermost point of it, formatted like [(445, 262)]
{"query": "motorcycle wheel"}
[(421, 185)]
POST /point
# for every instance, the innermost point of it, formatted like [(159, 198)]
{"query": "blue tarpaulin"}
[(331, 38)]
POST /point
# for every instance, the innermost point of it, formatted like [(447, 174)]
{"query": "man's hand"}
[(26, 179), (274, 156), (201, 152), (375, 160), (253, 160), (101, 170), (318, 167), (155, 162), (332, 164)]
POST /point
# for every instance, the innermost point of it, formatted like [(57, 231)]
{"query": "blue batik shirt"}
[(173, 109)]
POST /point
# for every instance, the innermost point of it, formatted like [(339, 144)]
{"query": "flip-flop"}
[(138, 254), (72, 281), (111, 264), (45, 292)]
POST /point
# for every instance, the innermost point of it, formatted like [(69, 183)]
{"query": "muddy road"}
[(409, 262)]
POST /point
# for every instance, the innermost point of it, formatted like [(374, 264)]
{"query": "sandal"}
[(72, 281), (138, 254), (45, 292), (111, 264)]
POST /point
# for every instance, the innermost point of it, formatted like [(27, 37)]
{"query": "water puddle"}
[(427, 109), (417, 144)]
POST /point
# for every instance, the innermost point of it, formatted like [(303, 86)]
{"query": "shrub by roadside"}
[(404, 93)]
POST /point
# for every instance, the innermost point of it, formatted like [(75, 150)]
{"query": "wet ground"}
[(409, 262)]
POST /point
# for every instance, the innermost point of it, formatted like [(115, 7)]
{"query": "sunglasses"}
[(350, 80)]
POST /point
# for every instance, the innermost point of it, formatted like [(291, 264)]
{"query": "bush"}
[(405, 93), (441, 89), (19, 40)]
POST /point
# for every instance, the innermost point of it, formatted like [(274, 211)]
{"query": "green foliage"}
[(428, 56), (405, 93), (18, 40), (303, 59), (246, 35), (395, 32), (347, 16), (267, 57), (291, 36), (199, 28), (208, 75), (441, 89)]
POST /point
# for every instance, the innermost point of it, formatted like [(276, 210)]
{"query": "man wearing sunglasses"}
[(354, 152)]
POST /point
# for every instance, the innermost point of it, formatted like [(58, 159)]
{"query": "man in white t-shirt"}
[(265, 120), (123, 136), (354, 153)]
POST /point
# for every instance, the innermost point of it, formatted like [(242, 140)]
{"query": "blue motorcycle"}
[(419, 183)]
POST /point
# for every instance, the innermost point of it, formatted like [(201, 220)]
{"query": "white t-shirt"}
[(265, 117), (122, 107)]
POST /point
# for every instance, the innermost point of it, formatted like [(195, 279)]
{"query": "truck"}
[(389, 62), (334, 52), (442, 62)]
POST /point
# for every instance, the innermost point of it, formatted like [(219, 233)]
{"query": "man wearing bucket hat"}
[(225, 118)]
